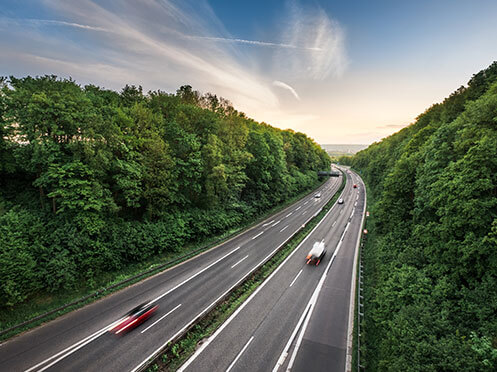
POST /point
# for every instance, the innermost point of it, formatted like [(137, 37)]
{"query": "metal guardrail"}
[(223, 297), (137, 276)]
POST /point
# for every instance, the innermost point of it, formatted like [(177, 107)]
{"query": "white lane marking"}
[(284, 354), (268, 223), (304, 213), (334, 223), (298, 208), (84, 341), (312, 302), (78, 345), (306, 202), (355, 204), (195, 275), (262, 232), (242, 306), (274, 224), (283, 228), (301, 336), (293, 281), (239, 261), (239, 354), (158, 320), (289, 214)]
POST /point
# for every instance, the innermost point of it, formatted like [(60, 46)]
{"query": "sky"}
[(343, 72)]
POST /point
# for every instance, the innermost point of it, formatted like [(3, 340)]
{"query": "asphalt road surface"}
[(80, 341), (298, 318)]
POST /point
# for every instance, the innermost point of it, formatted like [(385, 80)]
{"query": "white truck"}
[(317, 253)]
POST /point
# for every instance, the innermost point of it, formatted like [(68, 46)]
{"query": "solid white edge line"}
[(73, 350), (103, 330), (239, 261), (194, 275), (284, 354), (283, 228), (158, 320), (247, 301), (262, 232), (313, 299), (92, 336), (239, 354), (350, 328), (301, 336), (97, 334), (294, 280)]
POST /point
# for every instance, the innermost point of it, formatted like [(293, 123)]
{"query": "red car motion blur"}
[(134, 318)]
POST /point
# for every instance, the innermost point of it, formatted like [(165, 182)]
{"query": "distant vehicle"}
[(317, 253), (317, 195), (134, 317), (340, 201), (355, 186)]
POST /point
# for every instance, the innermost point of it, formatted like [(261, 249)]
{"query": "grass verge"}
[(110, 282), (177, 352)]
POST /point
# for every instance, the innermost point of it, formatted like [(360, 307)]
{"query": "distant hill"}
[(340, 150)]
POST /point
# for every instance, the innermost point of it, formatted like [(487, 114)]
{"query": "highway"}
[(80, 341), (298, 318)]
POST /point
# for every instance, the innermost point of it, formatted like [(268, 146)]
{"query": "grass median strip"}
[(111, 282), (179, 351)]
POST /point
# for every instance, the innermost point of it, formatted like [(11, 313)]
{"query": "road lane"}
[(271, 316), (179, 285)]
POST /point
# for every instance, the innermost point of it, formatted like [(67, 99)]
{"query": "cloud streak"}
[(283, 85), (257, 42), (163, 44), (312, 29)]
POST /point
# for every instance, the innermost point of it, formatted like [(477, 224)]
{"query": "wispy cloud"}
[(163, 44), (63, 23), (312, 29), (257, 42), (283, 85), (392, 126)]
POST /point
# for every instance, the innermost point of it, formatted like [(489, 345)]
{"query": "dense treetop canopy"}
[(431, 260), (92, 179)]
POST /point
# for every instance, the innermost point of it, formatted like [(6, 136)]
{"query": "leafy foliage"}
[(92, 180), (432, 263)]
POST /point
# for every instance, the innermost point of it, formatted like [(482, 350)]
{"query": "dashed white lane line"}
[(334, 223), (294, 280), (262, 232), (158, 320), (268, 223), (304, 213), (298, 208), (239, 261), (239, 354), (306, 202), (195, 275), (283, 228), (289, 214), (274, 224)]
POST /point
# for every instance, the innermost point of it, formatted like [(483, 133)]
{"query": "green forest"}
[(430, 259), (92, 180)]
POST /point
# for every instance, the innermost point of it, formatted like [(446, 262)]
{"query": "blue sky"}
[(340, 71)]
